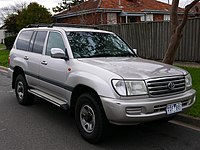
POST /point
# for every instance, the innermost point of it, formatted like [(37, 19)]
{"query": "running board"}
[(49, 98)]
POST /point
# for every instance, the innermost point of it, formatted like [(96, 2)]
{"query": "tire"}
[(90, 118), (21, 91)]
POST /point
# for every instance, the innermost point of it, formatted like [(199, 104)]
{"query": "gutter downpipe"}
[(126, 19)]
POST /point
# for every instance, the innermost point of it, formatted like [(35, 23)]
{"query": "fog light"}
[(134, 110)]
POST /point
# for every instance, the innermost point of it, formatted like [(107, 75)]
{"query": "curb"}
[(188, 120), (4, 69)]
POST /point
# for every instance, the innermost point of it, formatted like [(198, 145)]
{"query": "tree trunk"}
[(176, 30)]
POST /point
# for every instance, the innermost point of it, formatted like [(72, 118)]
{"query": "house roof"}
[(196, 8), (136, 6)]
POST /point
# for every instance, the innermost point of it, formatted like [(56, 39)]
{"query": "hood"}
[(134, 68)]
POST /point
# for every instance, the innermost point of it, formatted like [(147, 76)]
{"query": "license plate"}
[(174, 108)]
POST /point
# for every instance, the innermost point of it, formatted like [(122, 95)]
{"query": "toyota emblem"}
[(171, 85)]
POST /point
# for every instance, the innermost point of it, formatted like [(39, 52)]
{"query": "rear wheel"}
[(90, 118), (21, 91)]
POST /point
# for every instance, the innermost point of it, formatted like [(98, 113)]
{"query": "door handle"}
[(26, 57), (44, 63)]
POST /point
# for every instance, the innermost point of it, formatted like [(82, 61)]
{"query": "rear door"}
[(53, 72), (33, 57), (24, 58)]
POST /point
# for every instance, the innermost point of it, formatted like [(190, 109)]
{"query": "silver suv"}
[(98, 76)]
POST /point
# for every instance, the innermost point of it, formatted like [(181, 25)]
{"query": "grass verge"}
[(195, 73), (2, 46), (4, 57)]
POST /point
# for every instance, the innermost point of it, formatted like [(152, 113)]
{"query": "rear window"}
[(24, 40)]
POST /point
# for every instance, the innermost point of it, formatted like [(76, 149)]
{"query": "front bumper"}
[(127, 112)]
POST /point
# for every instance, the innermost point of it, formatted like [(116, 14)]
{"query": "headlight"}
[(188, 81), (129, 88), (119, 86)]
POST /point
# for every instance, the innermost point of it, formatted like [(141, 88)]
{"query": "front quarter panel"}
[(102, 87), (94, 77)]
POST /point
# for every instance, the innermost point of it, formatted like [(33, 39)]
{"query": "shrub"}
[(9, 41)]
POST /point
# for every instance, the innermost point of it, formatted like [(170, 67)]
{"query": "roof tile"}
[(128, 5)]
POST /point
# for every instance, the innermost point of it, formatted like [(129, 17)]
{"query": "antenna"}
[(120, 3)]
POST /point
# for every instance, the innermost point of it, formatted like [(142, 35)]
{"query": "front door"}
[(53, 72)]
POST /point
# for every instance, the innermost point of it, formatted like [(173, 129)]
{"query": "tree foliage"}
[(176, 30), (32, 14), (66, 5)]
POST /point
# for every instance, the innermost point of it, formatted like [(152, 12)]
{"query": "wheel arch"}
[(16, 71), (81, 89)]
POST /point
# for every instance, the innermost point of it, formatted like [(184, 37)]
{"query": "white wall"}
[(2, 35)]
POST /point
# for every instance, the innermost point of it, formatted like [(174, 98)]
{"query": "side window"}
[(32, 42), (55, 40), (24, 40), (39, 42)]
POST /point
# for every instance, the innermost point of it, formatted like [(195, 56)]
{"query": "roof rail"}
[(74, 25), (39, 25), (61, 25)]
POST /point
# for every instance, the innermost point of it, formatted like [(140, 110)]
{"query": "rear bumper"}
[(10, 75), (125, 112)]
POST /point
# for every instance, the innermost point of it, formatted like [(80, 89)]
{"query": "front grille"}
[(168, 85)]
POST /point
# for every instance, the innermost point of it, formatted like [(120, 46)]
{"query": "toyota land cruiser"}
[(96, 74)]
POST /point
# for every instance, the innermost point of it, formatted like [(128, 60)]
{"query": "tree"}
[(176, 30), (10, 23), (32, 14), (66, 5)]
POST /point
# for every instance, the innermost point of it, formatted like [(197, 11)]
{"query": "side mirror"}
[(135, 51), (58, 53)]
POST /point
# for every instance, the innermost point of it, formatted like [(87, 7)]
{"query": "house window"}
[(147, 17), (111, 18), (167, 17), (132, 19)]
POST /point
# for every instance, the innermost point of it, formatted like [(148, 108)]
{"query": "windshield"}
[(96, 44)]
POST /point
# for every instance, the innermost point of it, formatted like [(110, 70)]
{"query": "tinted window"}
[(94, 44), (24, 40), (55, 40), (32, 41), (39, 42)]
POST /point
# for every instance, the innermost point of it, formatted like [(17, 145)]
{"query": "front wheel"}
[(90, 118), (21, 91)]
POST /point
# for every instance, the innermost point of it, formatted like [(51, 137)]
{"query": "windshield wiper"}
[(101, 55), (111, 55)]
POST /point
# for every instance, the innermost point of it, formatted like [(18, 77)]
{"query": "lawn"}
[(195, 72), (2, 46), (4, 58)]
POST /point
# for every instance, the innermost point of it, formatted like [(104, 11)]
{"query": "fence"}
[(151, 38)]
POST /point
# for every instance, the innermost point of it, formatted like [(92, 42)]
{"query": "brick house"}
[(92, 12), (196, 10)]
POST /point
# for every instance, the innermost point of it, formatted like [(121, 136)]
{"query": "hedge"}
[(9, 41)]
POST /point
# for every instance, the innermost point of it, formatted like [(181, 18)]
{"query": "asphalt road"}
[(44, 126)]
